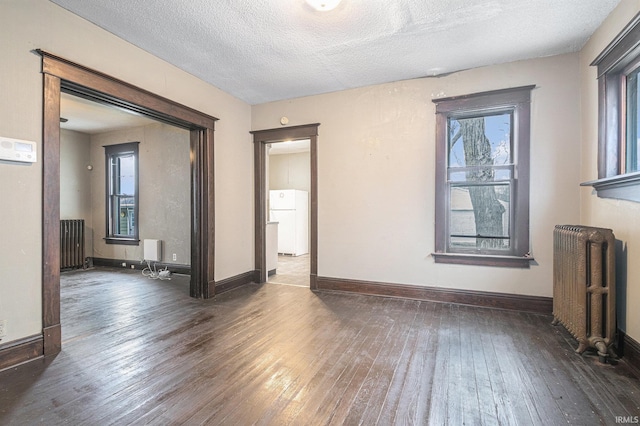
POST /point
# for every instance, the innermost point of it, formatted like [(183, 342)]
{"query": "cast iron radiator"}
[(584, 286), (71, 244)]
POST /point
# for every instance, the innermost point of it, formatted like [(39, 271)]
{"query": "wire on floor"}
[(154, 274)]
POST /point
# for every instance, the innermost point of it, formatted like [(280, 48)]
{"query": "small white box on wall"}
[(152, 250)]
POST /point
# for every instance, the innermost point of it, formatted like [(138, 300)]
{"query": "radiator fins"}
[(584, 286), (72, 244)]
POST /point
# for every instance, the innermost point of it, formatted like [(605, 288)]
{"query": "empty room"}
[(320, 212)]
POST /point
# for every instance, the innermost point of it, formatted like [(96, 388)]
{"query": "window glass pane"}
[(480, 141), (127, 175), (632, 157), (479, 216), (125, 221)]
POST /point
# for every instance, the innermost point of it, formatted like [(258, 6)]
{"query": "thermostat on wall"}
[(17, 150)]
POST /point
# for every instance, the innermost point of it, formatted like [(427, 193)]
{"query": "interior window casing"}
[(514, 103), (618, 174)]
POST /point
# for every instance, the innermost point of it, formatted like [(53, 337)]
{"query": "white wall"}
[(376, 174), (621, 216), (290, 171), (26, 25), (164, 187)]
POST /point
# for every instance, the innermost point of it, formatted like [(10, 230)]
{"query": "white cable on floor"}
[(151, 272)]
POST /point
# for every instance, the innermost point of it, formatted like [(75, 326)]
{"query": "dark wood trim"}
[(51, 206), (481, 260), (207, 261), (235, 282), (516, 100), (52, 337), (202, 214), (441, 194), (19, 351), (491, 99), (135, 264), (260, 216), (280, 134), (121, 241), (313, 243), (260, 138), (63, 75), (629, 349), (542, 305), (122, 94)]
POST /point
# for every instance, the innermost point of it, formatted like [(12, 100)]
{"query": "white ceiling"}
[(91, 117), (267, 50)]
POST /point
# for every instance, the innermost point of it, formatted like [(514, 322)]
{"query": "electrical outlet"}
[(175, 257), (3, 328)]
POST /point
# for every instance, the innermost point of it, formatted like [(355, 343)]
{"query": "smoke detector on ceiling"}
[(323, 5)]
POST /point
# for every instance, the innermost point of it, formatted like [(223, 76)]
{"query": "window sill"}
[(483, 260), (621, 187), (122, 241)]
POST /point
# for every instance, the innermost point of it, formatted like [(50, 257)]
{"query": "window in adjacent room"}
[(122, 193), (482, 178), (619, 119)]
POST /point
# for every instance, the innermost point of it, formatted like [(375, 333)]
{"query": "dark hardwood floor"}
[(140, 351)]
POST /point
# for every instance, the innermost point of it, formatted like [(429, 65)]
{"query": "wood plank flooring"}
[(140, 351)]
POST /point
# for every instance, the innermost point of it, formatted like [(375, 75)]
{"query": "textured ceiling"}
[(267, 50)]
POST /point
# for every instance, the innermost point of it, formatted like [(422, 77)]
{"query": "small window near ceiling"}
[(482, 178), (122, 193), (619, 121)]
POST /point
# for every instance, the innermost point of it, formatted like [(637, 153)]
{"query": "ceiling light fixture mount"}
[(323, 5)]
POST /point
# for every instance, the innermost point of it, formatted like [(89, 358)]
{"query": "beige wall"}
[(164, 185), (31, 24), (621, 216), (376, 174), (75, 182)]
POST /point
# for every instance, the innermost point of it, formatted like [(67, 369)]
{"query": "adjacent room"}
[(335, 212)]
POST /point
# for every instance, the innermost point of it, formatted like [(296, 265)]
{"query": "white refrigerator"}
[(290, 208)]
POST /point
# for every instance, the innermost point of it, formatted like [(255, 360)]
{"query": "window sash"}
[(476, 177), (481, 246)]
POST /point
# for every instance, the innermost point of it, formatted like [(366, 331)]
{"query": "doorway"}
[(261, 139), (288, 211), (149, 201), (61, 75)]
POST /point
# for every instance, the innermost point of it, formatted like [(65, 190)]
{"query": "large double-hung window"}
[(482, 178), (122, 193)]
